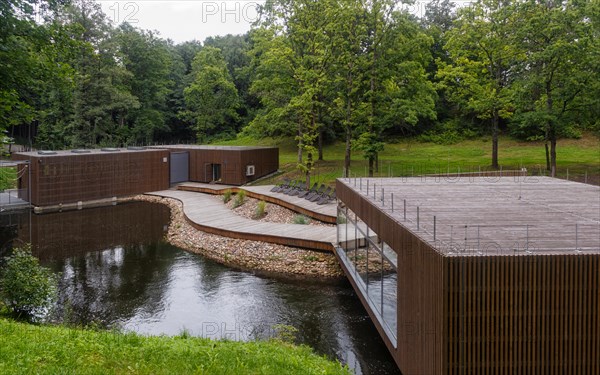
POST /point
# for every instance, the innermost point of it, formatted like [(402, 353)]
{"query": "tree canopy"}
[(358, 72)]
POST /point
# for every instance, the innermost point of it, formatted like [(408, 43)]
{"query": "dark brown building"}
[(230, 165), (62, 177), (66, 177), (479, 275)]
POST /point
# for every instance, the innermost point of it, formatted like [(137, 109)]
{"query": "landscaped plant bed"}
[(273, 213)]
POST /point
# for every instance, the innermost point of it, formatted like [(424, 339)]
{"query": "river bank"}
[(261, 257), (43, 349)]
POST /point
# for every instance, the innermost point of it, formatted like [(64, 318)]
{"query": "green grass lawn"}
[(8, 178), (575, 157), (32, 349)]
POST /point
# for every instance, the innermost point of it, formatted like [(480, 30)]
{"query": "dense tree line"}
[(356, 71)]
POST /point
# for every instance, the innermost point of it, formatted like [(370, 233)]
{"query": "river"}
[(117, 271)]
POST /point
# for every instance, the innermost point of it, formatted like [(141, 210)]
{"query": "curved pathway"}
[(326, 213), (210, 215)]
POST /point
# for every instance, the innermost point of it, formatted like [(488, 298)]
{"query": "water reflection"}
[(116, 271)]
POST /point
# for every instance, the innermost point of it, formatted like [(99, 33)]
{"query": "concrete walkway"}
[(209, 214)]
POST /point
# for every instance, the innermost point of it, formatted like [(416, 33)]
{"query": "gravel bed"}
[(273, 213), (264, 257)]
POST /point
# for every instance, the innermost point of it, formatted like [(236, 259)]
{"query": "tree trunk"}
[(553, 156), (348, 122), (495, 140), (547, 154), (320, 143), (308, 169), (551, 131), (299, 146), (371, 162), (377, 162), (347, 152)]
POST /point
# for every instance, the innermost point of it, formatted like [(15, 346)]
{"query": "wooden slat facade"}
[(66, 177), (69, 177), (233, 161), (487, 314)]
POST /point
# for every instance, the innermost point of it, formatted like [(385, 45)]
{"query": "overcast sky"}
[(184, 20)]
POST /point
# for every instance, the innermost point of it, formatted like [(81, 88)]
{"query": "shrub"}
[(285, 333), (310, 258), (26, 288), (240, 198), (260, 209), (301, 219), (227, 195)]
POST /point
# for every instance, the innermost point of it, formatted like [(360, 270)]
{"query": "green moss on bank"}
[(26, 349)]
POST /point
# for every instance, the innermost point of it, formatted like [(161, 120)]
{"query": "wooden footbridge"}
[(210, 215)]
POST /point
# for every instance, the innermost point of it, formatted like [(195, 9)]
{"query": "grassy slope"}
[(408, 156), (27, 349)]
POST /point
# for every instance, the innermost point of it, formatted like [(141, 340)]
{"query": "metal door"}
[(180, 167)]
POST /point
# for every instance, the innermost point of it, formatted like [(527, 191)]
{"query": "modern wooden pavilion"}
[(229, 165), (469, 275), (59, 178)]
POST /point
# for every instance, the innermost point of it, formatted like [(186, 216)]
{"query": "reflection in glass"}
[(373, 266)]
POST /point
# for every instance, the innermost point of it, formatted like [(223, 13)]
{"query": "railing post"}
[(417, 217), (367, 187), (527, 239), (478, 239), (576, 236), (392, 202), (405, 210), (374, 191), (434, 228), (466, 238), (382, 196)]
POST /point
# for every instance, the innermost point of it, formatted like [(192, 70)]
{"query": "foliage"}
[(285, 333), (301, 219), (26, 288), (449, 132), (558, 77), (260, 210), (8, 178), (211, 99), (240, 198), (68, 350), (482, 54), (227, 195), (359, 72)]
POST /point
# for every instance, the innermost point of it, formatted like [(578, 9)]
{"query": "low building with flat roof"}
[(476, 274), (67, 177)]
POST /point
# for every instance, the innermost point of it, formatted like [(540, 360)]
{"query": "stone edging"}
[(270, 259)]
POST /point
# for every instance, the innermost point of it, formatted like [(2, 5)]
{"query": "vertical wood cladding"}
[(528, 314), (534, 313), (68, 178), (233, 162)]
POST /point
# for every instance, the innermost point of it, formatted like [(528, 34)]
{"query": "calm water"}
[(117, 271)]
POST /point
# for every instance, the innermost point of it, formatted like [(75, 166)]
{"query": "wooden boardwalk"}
[(210, 215), (326, 213)]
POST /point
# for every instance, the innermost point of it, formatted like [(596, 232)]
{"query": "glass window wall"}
[(372, 265)]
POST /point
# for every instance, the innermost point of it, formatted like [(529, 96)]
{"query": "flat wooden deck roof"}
[(491, 215)]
